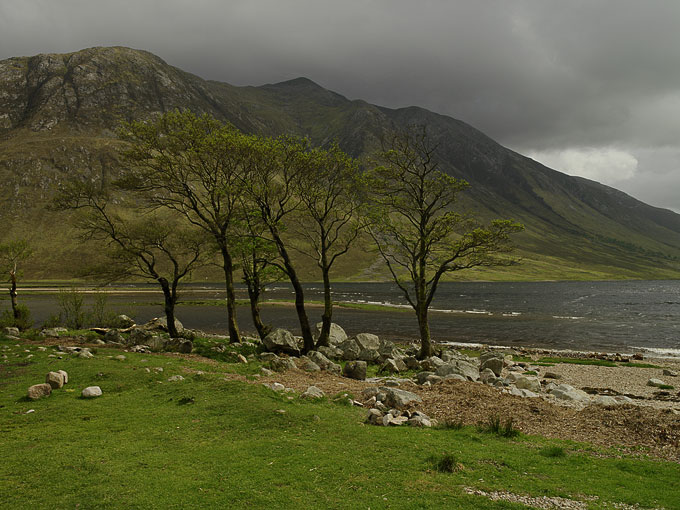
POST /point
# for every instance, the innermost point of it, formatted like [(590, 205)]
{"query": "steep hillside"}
[(58, 115)]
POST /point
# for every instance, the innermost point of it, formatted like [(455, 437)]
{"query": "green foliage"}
[(445, 463), (24, 321), (450, 424), (666, 387), (72, 313), (502, 429)]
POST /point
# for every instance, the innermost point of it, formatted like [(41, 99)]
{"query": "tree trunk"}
[(424, 327), (170, 300), (13, 294), (308, 339), (327, 316), (234, 334), (254, 296)]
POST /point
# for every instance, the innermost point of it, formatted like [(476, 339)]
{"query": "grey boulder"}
[(281, 340)]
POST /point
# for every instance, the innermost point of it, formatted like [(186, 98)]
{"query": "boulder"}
[(459, 367), (412, 363), (520, 392), (605, 400), (92, 392), (266, 357), (39, 390), (185, 346), (139, 336), (387, 349), (551, 375), (355, 370), (391, 420), (393, 366), (569, 393), (528, 383), (282, 364), (85, 354), (306, 364), (374, 417), (281, 340), (64, 374), (53, 332), (313, 393), (419, 419), (157, 343), (350, 349), (161, 324), (318, 358), (487, 376), (334, 368), (10, 331), (123, 321), (369, 355), (421, 377), (656, 383), (669, 373), (399, 399), (113, 335), (432, 363), (336, 335), (367, 341), (493, 361), (55, 380), (330, 352)]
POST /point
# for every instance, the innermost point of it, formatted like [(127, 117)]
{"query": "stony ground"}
[(654, 428)]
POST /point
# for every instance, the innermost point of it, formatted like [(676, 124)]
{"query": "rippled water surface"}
[(576, 315)]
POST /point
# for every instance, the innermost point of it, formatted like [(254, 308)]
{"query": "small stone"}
[(313, 393), (374, 417), (277, 386), (266, 372), (92, 392), (55, 380), (669, 373), (552, 375), (120, 357), (39, 390), (175, 378), (656, 383), (241, 359), (85, 354)]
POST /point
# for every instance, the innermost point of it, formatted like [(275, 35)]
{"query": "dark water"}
[(612, 316)]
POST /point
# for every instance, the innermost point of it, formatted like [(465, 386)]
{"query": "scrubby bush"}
[(23, 321)]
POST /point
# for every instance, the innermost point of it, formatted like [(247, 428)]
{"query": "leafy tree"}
[(12, 254), (139, 243), (417, 232), (257, 256), (192, 165), (329, 191), (271, 182)]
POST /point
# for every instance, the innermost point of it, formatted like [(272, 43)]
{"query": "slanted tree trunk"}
[(254, 297), (228, 265), (170, 296), (307, 338), (13, 293)]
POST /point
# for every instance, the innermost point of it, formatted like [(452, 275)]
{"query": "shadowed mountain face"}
[(58, 115)]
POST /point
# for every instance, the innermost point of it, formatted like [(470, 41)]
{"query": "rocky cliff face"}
[(59, 113)]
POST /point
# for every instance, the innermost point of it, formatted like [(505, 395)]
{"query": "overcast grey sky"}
[(588, 87)]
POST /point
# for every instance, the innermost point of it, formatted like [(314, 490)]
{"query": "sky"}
[(588, 87)]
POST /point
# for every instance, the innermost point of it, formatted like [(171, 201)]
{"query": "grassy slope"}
[(138, 447)]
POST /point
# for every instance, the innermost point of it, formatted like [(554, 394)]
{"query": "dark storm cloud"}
[(591, 87)]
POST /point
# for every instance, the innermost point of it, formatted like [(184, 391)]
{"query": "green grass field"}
[(210, 442)]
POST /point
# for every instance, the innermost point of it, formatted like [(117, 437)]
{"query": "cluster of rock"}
[(357, 351), (390, 406), (150, 337), (55, 381)]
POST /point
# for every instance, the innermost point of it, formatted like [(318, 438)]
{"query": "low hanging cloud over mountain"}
[(589, 87)]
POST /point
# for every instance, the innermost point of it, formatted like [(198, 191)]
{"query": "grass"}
[(213, 442)]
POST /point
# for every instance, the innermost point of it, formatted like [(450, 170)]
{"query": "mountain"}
[(59, 112)]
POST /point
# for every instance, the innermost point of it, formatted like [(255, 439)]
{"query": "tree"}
[(257, 256), (417, 232), (271, 181), (329, 189), (139, 243), (12, 254), (192, 165)]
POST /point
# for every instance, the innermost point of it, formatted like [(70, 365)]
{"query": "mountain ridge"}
[(59, 112)]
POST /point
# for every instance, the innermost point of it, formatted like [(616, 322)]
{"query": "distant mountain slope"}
[(58, 115)]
